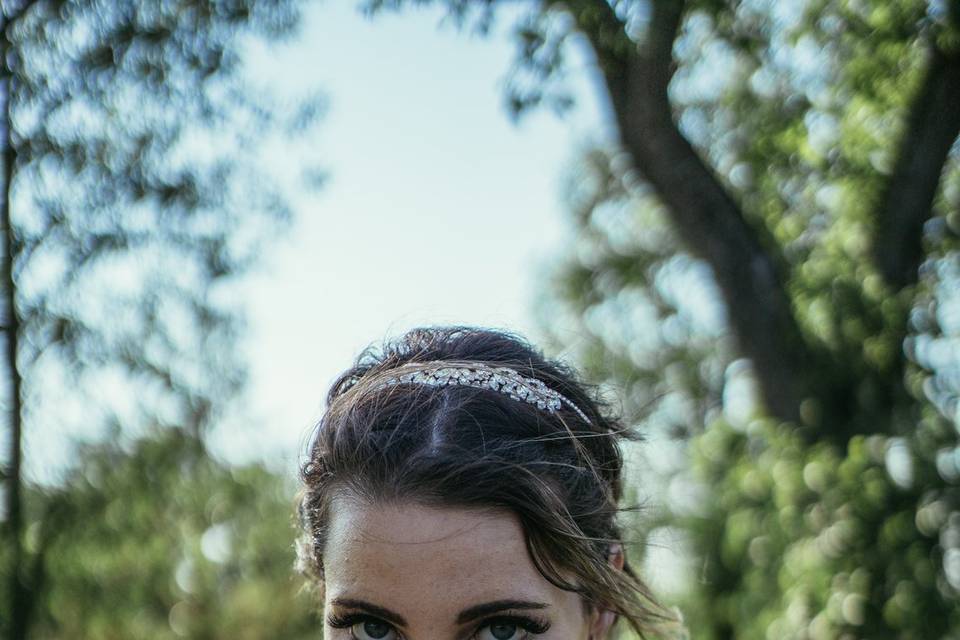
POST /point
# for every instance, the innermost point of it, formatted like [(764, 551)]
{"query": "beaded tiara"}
[(482, 376)]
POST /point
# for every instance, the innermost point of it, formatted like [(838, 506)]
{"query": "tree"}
[(157, 539), (130, 206), (780, 214)]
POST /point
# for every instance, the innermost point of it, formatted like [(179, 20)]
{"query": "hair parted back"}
[(462, 446)]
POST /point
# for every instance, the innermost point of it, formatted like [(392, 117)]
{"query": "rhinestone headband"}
[(482, 376)]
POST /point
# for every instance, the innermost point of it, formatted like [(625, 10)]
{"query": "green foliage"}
[(795, 539), (138, 196), (135, 187), (160, 540), (809, 540), (852, 534)]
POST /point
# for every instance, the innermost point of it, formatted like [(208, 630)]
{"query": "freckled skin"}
[(428, 564)]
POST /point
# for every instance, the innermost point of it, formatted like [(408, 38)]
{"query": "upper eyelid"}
[(542, 623), (364, 616), (474, 624), (501, 615), (346, 620), (359, 606)]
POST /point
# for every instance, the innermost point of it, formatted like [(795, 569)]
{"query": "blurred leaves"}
[(135, 187), (141, 193), (800, 109), (157, 539)]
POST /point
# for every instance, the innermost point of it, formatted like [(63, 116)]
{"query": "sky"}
[(437, 208)]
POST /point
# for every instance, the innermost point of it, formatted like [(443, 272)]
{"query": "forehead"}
[(429, 563)]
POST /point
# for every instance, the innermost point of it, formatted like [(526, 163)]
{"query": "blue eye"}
[(371, 629)]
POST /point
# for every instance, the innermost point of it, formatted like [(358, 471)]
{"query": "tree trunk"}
[(747, 267), (18, 592), (932, 127)]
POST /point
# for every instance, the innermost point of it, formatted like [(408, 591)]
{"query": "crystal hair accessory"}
[(482, 376)]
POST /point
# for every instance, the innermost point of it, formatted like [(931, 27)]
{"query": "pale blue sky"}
[(437, 208)]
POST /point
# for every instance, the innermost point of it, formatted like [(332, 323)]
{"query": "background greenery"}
[(129, 212), (766, 268)]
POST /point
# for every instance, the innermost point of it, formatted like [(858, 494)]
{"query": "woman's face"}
[(410, 572)]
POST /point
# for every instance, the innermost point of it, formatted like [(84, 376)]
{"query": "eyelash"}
[(530, 625)]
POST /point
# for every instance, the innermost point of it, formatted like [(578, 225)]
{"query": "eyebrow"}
[(487, 608), (465, 616), (380, 612)]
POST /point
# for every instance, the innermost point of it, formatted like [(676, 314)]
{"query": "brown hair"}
[(471, 447)]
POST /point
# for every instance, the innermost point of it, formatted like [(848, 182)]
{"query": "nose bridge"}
[(438, 623), (436, 633)]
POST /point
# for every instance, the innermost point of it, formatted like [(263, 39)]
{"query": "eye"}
[(501, 631), (511, 628), (372, 629)]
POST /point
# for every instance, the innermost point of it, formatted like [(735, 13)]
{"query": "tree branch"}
[(932, 127), (707, 218), (17, 592)]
